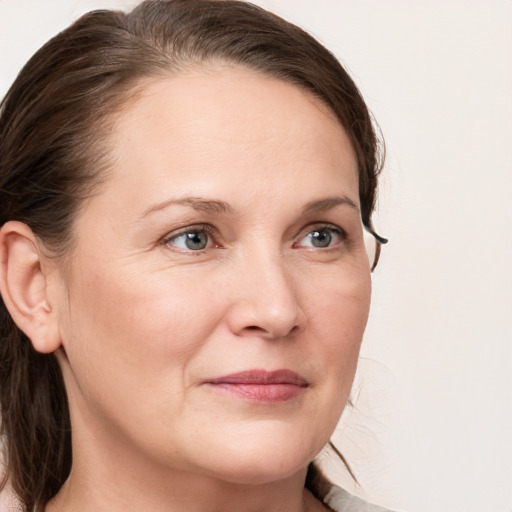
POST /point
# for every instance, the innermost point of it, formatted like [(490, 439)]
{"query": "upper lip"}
[(261, 377)]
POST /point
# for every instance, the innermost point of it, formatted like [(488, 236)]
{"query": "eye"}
[(193, 239), (322, 237)]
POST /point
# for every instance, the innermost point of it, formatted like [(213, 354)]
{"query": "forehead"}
[(226, 126)]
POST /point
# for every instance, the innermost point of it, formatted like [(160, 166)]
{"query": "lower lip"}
[(265, 393)]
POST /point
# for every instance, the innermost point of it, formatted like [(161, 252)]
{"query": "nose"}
[(265, 300)]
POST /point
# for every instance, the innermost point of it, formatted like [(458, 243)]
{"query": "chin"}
[(259, 474), (262, 461)]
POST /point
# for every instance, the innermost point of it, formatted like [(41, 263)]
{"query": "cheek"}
[(122, 328), (340, 303), (121, 306), (338, 317)]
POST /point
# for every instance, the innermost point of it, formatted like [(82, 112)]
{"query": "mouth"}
[(261, 385)]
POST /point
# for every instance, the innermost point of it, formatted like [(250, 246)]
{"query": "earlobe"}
[(23, 285)]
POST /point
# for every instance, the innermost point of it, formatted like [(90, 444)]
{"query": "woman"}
[(185, 192)]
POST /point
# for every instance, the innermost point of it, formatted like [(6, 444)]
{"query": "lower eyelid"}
[(168, 241)]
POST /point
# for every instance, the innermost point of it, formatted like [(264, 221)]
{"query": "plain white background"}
[(431, 430)]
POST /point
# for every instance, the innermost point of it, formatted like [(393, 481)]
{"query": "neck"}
[(182, 493)]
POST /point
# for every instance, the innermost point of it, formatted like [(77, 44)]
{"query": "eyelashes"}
[(192, 238), (200, 238)]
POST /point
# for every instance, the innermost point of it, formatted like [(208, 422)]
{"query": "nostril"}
[(264, 318), (260, 331), (254, 328)]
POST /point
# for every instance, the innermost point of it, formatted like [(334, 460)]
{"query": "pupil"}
[(321, 238), (196, 240)]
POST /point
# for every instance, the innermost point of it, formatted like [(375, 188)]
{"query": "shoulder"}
[(340, 500)]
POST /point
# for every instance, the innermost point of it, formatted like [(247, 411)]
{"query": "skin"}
[(140, 321)]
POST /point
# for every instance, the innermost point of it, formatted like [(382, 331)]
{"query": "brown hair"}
[(54, 122)]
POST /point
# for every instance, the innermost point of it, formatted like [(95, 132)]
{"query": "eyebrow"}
[(329, 203), (221, 207), (197, 203)]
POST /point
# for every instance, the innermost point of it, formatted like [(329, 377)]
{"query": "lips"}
[(260, 385)]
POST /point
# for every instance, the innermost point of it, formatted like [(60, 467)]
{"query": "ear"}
[(23, 285)]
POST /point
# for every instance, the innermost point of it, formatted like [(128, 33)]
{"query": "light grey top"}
[(341, 501), (337, 499)]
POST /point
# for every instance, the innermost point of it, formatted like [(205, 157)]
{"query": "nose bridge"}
[(267, 298)]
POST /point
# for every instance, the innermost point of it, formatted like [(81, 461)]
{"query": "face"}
[(212, 311)]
